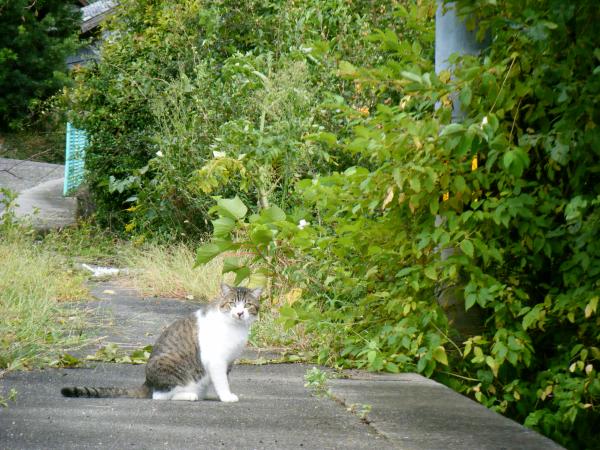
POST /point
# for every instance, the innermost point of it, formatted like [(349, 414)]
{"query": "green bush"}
[(191, 101), (327, 122), (510, 196)]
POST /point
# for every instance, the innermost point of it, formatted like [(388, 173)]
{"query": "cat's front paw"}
[(185, 396), (229, 398)]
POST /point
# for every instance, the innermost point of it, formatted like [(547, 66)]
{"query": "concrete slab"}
[(45, 208), (275, 410), (416, 413), (19, 175), (40, 200)]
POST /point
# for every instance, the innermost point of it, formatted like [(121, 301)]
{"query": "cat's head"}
[(240, 303)]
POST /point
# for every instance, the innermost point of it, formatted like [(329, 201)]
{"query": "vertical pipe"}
[(453, 37)]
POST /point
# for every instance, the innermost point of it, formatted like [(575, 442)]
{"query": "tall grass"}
[(160, 270), (36, 320), (168, 271)]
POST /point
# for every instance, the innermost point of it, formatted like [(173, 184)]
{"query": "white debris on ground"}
[(99, 271)]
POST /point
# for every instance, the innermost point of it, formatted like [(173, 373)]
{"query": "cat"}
[(193, 351)]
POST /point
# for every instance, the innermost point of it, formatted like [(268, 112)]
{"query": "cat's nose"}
[(240, 314)]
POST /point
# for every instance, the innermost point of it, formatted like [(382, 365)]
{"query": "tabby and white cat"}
[(193, 352)]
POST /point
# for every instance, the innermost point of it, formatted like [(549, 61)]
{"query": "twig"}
[(459, 376), (449, 340), (503, 83)]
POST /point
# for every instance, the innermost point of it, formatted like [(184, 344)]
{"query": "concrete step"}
[(39, 187), (45, 207)]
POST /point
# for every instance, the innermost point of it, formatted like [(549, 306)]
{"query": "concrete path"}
[(40, 186), (275, 410), (19, 175)]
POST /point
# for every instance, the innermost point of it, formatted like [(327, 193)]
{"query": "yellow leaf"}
[(439, 354), (546, 392), (444, 76), (591, 307), (388, 198), (292, 296), (493, 365), (446, 196)]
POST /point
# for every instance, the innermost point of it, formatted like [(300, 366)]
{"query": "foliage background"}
[(36, 38), (327, 122)]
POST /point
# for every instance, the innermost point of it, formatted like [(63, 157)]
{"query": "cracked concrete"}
[(275, 410)]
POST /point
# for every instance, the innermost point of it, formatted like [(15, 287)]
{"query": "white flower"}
[(159, 154), (303, 223), (484, 121)]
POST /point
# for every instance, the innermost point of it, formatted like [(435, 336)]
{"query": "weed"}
[(85, 242), (12, 397), (316, 380), (112, 353), (361, 410), (269, 332)]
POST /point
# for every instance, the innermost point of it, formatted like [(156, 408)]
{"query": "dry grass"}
[(36, 321), (168, 271)]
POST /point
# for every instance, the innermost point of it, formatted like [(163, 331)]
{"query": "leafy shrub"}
[(191, 101), (509, 197)]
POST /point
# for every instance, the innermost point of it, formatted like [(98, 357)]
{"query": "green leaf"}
[(67, 360), (459, 184), (430, 273), (233, 208), (411, 76), (208, 251), (467, 248), (493, 364), (241, 274), (452, 128), (262, 236), (470, 300), (287, 312), (347, 70), (223, 226), (272, 214), (415, 184), (231, 264), (533, 316), (391, 367), (326, 138), (465, 96), (439, 354), (591, 307)]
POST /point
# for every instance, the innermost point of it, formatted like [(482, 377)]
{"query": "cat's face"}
[(240, 303)]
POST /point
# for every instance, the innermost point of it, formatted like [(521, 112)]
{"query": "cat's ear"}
[(226, 289), (256, 292)]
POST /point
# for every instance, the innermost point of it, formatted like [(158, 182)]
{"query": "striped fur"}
[(104, 392), (193, 351)]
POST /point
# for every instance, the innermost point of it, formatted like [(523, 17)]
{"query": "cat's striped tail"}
[(106, 392)]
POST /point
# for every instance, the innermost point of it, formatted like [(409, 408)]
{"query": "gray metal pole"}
[(452, 36)]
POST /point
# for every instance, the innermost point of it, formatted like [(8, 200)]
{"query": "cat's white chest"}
[(219, 338)]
